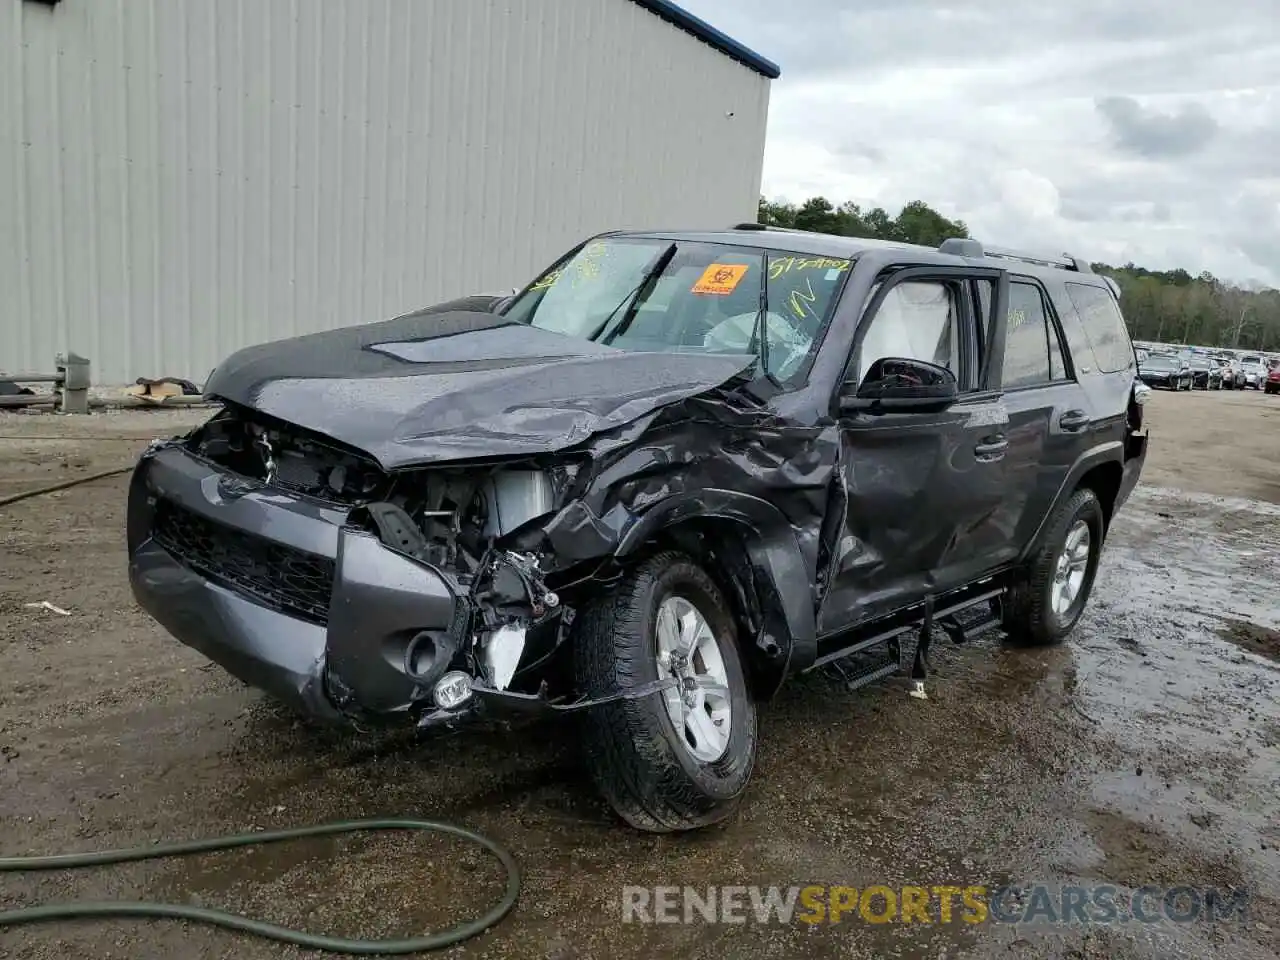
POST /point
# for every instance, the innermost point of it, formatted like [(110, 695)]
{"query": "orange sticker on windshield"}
[(720, 278)]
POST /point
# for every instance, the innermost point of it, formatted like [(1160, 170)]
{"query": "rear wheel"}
[(1045, 608), (681, 758)]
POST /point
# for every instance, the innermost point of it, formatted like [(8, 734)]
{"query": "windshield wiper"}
[(651, 274), (760, 332)]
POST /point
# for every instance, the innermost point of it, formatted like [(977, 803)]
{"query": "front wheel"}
[(681, 758), (1044, 609)]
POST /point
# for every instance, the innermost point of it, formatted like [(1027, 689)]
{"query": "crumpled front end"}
[(277, 557), (281, 591), (439, 591)]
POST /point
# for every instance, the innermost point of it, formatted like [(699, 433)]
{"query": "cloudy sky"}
[(1144, 130)]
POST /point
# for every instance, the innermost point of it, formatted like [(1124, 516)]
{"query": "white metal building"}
[(179, 178)]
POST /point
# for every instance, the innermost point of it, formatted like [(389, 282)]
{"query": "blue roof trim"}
[(705, 32)]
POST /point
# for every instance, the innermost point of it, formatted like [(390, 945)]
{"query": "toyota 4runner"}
[(673, 471)]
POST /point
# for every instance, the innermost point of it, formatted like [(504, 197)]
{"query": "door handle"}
[(991, 448), (1074, 420)]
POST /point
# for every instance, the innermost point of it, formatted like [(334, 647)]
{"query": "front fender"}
[(774, 554)]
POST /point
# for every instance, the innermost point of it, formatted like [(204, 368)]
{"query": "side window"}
[(919, 319), (1031, 348), (1103, 325)]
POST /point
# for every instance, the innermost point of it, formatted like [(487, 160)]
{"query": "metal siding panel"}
[(200, 114), (307, 234), (41, 147), (14, 328), (180, 178), (275, 263), (173, 308)]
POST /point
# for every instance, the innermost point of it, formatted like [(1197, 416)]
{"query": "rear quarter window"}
[(1103, 326)]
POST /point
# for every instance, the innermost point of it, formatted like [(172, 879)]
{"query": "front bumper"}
[(317, 614)]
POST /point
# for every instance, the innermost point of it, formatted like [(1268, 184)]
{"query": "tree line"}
[(1166, 306)]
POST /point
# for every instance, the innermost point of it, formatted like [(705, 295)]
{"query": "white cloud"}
[(1147, 131)]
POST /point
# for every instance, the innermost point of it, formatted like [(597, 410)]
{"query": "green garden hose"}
[(232, 921)]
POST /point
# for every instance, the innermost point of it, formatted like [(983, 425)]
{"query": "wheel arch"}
[(751, 551), (1104, 479), (1101, 470)]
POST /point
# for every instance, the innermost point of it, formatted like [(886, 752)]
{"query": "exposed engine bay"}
[(456, 519)]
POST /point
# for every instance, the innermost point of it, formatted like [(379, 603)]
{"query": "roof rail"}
[(1063, 262), (767, 226), (965, 247)]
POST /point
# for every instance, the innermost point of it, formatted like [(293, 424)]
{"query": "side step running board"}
[(906, 646), (961, 631), (947, 612), (866, 674)]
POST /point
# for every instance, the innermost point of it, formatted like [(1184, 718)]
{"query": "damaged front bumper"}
[(284, 595)]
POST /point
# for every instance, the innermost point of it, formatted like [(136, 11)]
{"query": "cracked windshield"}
[(659, 296)]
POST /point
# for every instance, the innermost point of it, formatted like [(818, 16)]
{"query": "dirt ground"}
[(1145, 751)]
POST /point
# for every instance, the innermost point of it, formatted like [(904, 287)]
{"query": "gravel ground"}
[(1146, 751)]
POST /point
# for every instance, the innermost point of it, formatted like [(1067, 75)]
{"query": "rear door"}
[(1050, 417)]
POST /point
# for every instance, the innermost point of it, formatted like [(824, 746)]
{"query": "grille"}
[(291, 581)]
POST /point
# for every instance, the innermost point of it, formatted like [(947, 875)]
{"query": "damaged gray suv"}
[(672, 472)]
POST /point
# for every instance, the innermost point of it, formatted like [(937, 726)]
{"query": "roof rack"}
[(767, 226), (964, 247)]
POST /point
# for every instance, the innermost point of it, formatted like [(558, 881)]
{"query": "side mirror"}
[(902, 385)]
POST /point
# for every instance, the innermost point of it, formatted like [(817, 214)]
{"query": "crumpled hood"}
[(430, 387)]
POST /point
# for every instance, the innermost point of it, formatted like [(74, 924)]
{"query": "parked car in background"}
[(1165, 370), (1272, 383), (1250, 372), (1228, 371), (1205, 373)]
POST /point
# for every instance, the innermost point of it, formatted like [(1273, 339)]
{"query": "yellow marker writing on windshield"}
[(800, 300)]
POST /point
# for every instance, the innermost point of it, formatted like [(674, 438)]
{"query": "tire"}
[(1030, 619), (644, 766)]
